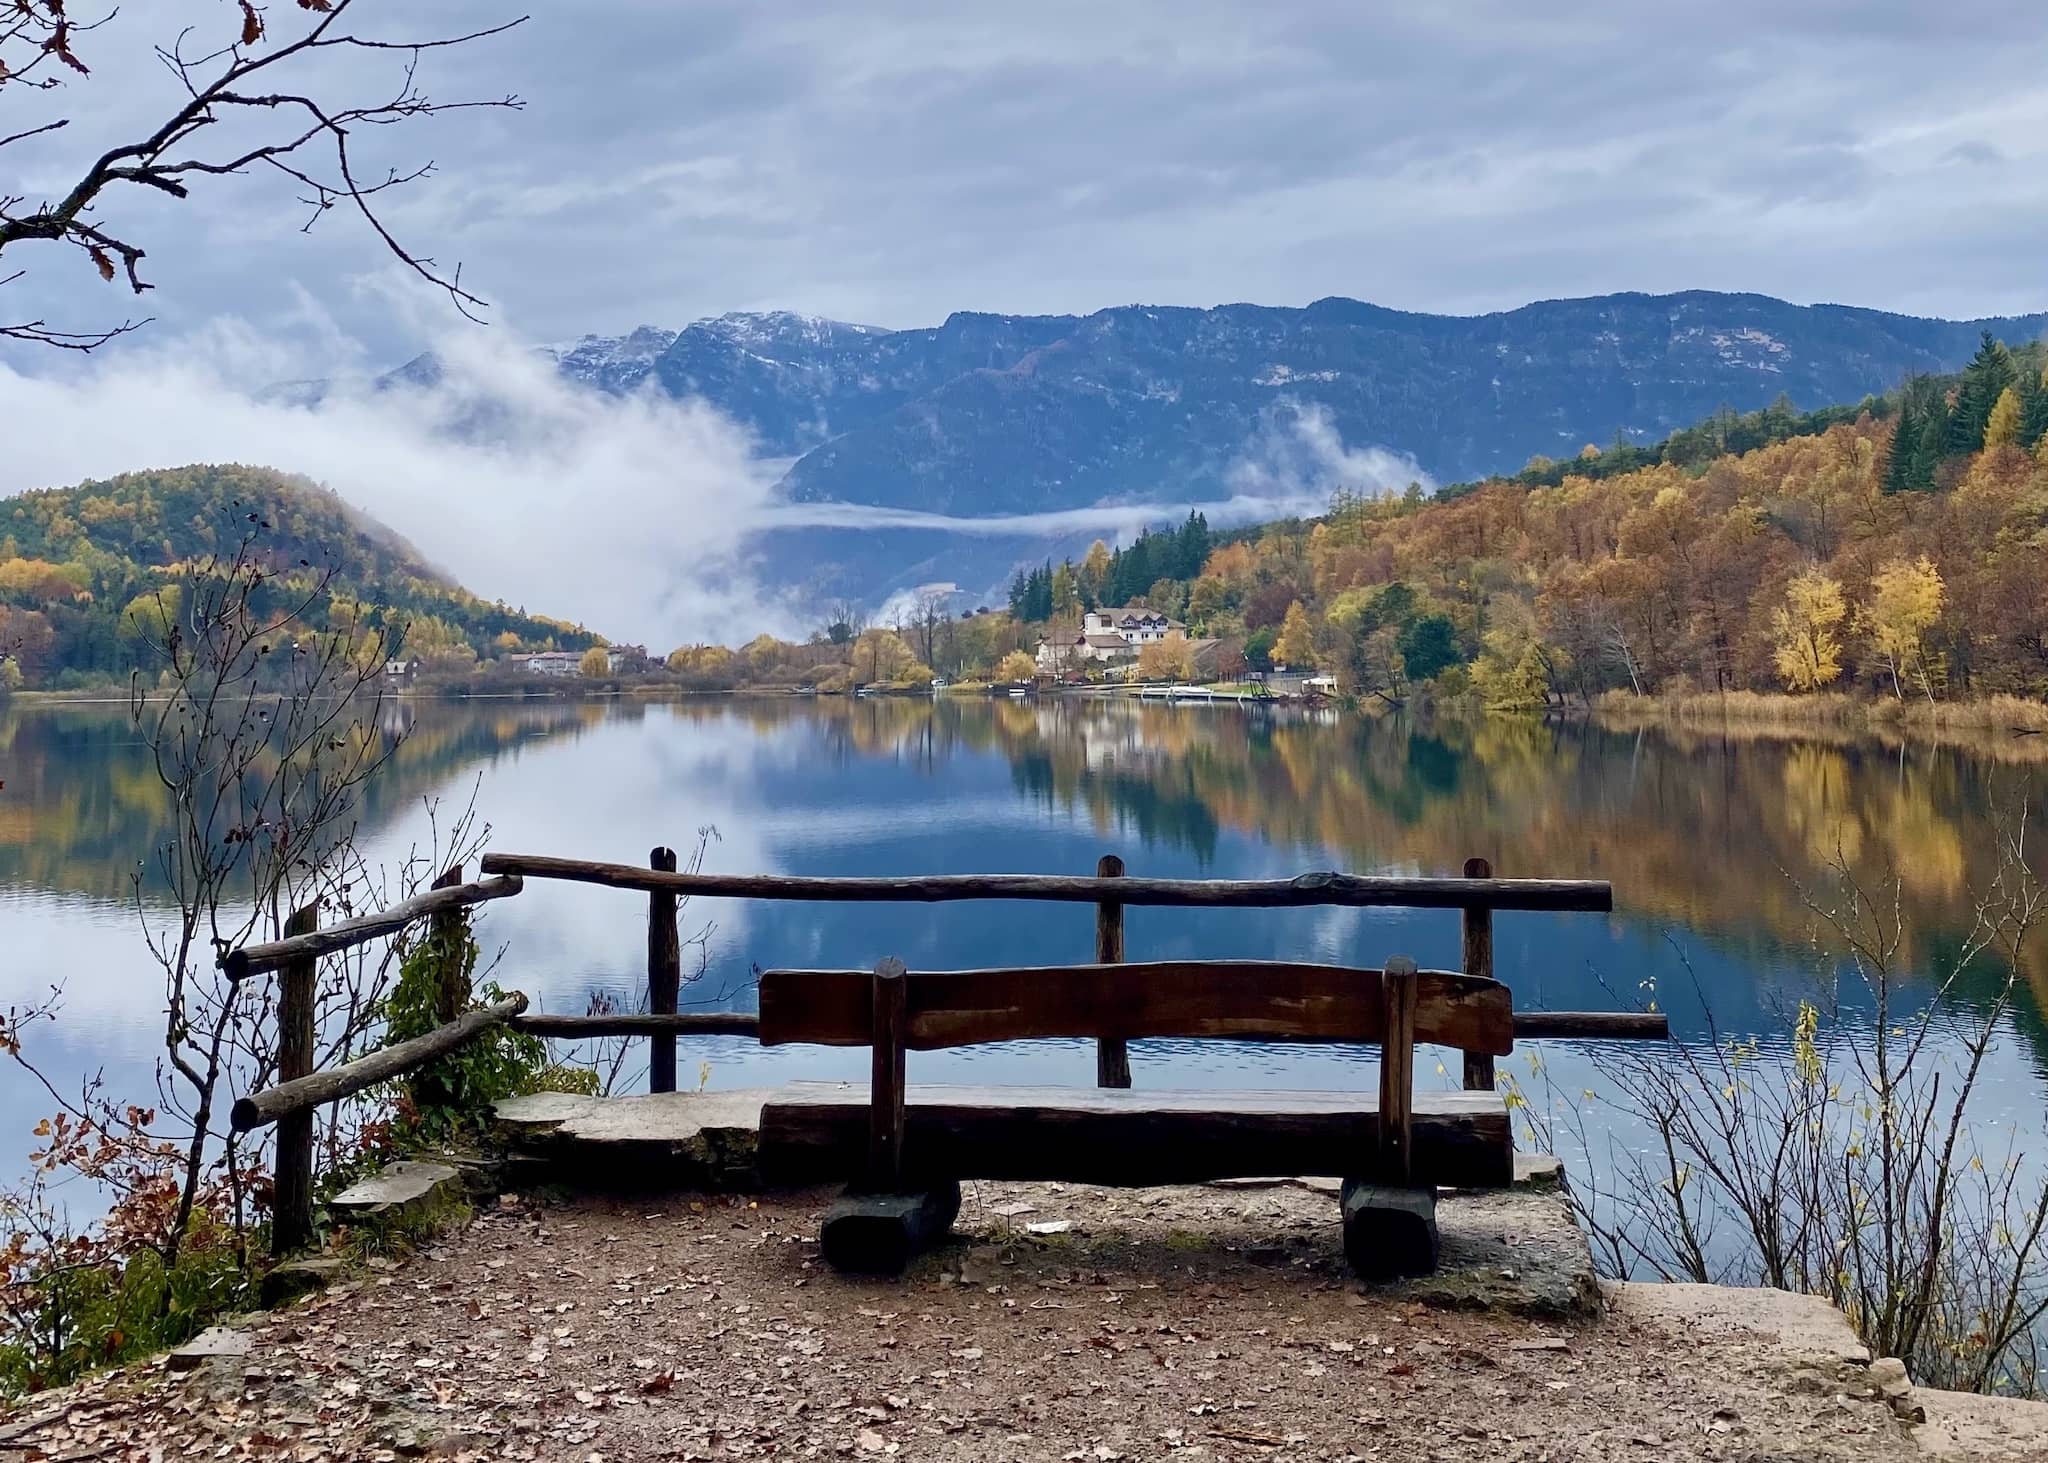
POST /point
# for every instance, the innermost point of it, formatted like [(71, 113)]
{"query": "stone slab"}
[(1538, 1170), (215, 1343), (1802, 1329), (1518, 1251), (1967, 1428), (395, 1187), (695, 1140)]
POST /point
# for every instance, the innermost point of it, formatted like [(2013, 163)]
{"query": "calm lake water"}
[(1704, 838)]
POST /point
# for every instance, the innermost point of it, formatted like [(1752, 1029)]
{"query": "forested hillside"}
[(1896, 548), (75, 562)]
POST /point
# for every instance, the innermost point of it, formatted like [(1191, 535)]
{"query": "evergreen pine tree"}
[(1990, 371), (1937, 427), (2033, 392), (1898, 462)]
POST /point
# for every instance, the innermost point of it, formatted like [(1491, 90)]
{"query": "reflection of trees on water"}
[(1711, 832), (82, 806), (1708, 832)]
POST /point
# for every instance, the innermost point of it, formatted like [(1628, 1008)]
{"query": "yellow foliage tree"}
[(1296, 645), (1808, 652), (2003, 427), (881, 655), (595, 662), (1905, 601), (149, 616), (700, 660), (1017, 666), (1171, 659), (1066, 590), (1094, 569)]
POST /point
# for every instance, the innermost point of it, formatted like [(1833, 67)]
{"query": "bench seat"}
[(815, 1132)]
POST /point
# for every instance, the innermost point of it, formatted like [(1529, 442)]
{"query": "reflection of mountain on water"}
[(82, 807)]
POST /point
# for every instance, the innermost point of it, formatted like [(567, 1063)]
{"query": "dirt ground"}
[(1183, 1324)]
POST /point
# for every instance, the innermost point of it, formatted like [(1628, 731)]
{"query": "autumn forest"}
[(1890, 550)]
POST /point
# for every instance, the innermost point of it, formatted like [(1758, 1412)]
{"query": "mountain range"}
[(992, 414)]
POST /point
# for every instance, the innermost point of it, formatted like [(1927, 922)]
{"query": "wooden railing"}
[(1476, 896), (299, 1090)]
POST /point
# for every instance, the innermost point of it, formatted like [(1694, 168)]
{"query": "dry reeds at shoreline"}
[(2012, 715)]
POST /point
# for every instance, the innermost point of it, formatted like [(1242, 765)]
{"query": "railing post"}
[(886, 1096), (1397, 1072), (451, 995), (1478, 922), (664, 972), (1112, 1057), (291, 1214)]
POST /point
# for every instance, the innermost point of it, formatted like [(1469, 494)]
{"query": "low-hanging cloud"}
[(1298, 454), (629, 514), (634, 514), (1114, 520)]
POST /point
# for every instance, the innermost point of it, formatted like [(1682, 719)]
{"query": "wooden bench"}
[(903, 1149)]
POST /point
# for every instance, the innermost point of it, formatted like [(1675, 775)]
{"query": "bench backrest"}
[(1245, 1000), (895, 1011)]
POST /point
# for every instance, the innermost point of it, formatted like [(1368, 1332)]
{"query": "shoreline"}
[(2003, 719)]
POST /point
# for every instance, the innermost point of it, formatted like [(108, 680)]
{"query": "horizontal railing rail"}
[(276, 954), (316, 1089), (1589, 895)]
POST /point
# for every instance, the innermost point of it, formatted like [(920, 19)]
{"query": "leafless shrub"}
[(1853, 1159)]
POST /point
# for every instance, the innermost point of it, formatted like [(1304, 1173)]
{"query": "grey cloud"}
[(896, 160)]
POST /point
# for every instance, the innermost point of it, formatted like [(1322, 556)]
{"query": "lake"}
[(1706, 838)]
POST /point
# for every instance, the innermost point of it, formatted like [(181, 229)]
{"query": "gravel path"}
[(1161, 1325)]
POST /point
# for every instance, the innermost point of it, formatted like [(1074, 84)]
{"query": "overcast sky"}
[(889, 161)]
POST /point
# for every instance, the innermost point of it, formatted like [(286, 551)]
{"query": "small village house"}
[(548, 662)]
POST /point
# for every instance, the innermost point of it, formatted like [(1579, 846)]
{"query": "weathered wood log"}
[(1397, 1070), (885, 1097), (1389, 1230), (302, 1094), (816, 1132), (1112, 1054), (879, 1234), (1477, 930), (1251, 1000), (664, 972), (291, 1213), (641, 1023), (1594, 1025), (1305, 889), (256, 959)]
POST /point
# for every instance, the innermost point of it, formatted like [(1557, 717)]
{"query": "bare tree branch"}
[(36, 41)]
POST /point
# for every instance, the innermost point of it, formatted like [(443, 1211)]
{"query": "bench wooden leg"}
[(1389, 1231), (879, 1234)]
